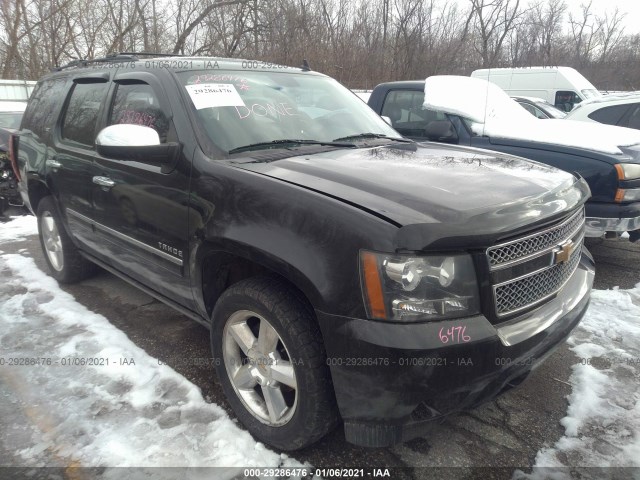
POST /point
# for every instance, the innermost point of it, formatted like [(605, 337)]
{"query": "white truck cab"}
[(562, 86)]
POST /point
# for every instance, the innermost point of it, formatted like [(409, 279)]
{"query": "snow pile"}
[(127, 411), (18, 228), (602, 426), (493, 113)]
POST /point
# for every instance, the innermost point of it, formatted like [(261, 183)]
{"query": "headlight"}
[(628, 171), (412, 288), (627, 195)]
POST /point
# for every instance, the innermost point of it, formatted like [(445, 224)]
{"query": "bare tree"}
[(494, 20), (611, 33), (585, 31), (196, 12)]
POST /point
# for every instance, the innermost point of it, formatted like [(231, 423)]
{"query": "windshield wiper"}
[(256, 146), (373, 135)]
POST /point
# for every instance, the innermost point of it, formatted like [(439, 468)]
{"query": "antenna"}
[(486, 102), (305, 65)]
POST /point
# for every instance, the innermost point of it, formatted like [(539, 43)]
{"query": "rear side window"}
[(634, 118), (43, 106), (609, 115), (137, 104), (79, 122)]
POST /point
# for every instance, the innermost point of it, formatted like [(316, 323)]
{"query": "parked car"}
[(620, 110), (472, 112), (564, 87), (539, 108), (343, 271), (10, 118)]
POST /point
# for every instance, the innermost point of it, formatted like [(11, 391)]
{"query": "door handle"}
[(104, 181), (53, 164)]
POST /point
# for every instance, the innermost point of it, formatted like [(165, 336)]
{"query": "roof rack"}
[(114, 57)]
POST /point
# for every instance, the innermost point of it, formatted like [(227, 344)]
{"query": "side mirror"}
[(387, 119), (137, 143), (441, 131)]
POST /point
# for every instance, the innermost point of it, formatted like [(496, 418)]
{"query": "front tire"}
[(65, 263), (272, 363)]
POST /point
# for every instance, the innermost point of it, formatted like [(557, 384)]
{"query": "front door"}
[(142, 210)]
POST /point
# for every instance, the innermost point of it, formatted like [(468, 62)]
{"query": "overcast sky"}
[(630, 7)]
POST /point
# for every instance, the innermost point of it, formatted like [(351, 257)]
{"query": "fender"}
[(267, 222)]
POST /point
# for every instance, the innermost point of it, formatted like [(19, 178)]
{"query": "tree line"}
[(359, 42)]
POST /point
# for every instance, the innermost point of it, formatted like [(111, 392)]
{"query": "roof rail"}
[(147, 54), (114, 57)]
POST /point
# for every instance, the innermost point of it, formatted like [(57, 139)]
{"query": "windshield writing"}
[(237, 109)]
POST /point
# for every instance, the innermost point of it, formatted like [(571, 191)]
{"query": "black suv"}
[(344, 272)]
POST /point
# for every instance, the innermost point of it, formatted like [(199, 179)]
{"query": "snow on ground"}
[(112, 414), (19, 228), (493, 113), (602, 426), (148, 415)]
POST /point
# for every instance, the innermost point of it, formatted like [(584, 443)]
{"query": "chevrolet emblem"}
[(564, 252)]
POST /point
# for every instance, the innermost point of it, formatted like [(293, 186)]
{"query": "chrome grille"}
[(516, 250), (519, 294), (529, 270)]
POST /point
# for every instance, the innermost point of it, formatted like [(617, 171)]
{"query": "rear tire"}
[(272, 364), (65, 263)]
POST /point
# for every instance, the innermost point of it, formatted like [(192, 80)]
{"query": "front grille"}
[(518, 249), (529, 270), (519, 294)]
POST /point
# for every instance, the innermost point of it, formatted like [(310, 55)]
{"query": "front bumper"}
[(390, 378), (611, 217)]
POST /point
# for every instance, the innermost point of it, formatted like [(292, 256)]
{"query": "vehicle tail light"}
[(13, 149)]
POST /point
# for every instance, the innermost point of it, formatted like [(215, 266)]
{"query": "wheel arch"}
[(36, 191), (219, 269)]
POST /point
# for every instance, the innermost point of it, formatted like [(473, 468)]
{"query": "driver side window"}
[(566, 99), (137, 104)]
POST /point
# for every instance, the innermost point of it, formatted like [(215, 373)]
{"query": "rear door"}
[(70, 166), (142, 210)]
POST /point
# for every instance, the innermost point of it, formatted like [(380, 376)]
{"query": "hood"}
[(452, 190), (494, 114)]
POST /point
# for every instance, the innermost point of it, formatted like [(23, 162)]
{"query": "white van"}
[(561, 86)]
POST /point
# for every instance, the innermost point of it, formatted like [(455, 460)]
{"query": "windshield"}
[(10, 120), (238, 109)]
